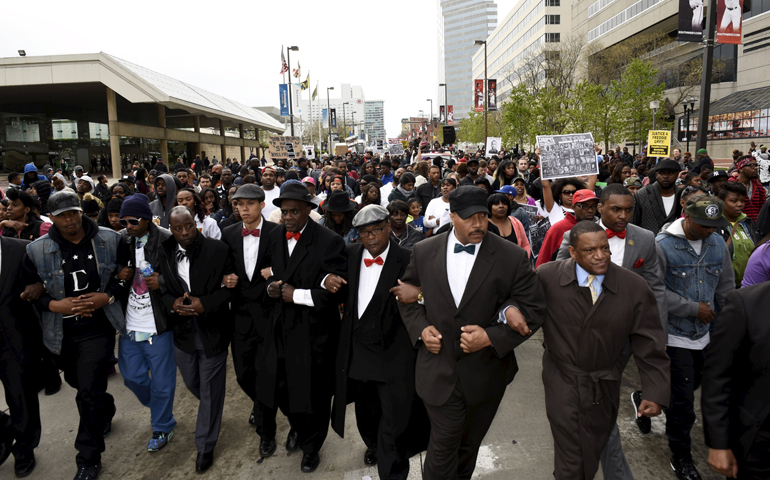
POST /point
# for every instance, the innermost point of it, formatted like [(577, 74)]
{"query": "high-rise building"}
[(375, 120), (461, 22), (348, 103)]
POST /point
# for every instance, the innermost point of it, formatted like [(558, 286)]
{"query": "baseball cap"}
[(308, 180), (584, 195), (61, 202), (705, 210), (702, 150), (630, 182), (466, 201), (509, 189), (717, 174)]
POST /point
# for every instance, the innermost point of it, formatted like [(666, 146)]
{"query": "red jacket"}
[(554, 237), (758, 197)]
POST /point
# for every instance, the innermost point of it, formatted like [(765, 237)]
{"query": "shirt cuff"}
[(501, 318), (323, 282), (303, 296)]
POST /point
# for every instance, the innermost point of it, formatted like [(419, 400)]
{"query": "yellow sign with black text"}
[(659, 143)]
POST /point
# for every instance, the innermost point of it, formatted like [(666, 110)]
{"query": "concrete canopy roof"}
[(133, 82)]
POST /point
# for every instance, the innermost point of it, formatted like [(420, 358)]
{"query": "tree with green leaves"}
[(517, 116), (472, 127), (636, 89)]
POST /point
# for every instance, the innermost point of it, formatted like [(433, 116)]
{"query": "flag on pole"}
[(315, 93), (284, 65), (296, 71), (306, 84)]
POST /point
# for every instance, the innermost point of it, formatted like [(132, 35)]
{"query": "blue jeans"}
[(136, 361)]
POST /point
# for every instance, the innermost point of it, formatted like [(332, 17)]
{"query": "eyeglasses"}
[(585, 207), (131, 221), (568, 192), (752, 165), (371, 233)]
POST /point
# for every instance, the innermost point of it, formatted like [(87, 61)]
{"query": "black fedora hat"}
[(338, 202), (293, 191)]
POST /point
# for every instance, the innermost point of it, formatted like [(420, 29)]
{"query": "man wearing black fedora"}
[(295, 370)]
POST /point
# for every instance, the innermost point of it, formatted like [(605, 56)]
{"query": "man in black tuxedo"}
[(736, 382), (472, 284), (296, 366), (248, 242), (19, 336), (375, 358), (192, 268)]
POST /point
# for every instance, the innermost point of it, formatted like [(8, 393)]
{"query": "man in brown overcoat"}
[(594, 308)]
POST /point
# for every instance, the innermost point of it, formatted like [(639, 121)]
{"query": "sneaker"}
[(644, 423), (159, 440), (684, 468), (89, 472)]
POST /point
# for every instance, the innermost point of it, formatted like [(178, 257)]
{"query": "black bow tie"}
[(181, 255)]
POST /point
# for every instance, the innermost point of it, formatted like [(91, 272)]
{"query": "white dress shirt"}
[(251, 251), (183, 268), (368, 279), (617, 247), (458, 267)]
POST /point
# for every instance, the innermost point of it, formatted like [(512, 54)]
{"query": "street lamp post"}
[(329, 119), (687, 112), (654, 105), (291, 89), (446, 104), (484, 42), (345, 119), (430, 121)]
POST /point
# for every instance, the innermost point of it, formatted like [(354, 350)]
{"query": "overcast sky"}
[(233, 48)]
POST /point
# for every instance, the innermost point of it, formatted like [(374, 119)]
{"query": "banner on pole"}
[(283, 92), (658, 143), (478, 95), (325, 117), (729, 21), (333, 117), (492, 94), (691, 21), (284, 147), (441, 115), (567, 155), (450, 115)]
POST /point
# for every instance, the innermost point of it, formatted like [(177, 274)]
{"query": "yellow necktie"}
[(590, 285)]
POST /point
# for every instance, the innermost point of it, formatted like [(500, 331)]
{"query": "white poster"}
[(494, 144), (309, 152), (564, 156)]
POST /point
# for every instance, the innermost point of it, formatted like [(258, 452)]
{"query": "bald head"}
[(182, 224)]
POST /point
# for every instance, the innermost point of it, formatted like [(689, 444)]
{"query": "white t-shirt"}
[(439, 209), (139, 316), (668, 203), (208, 227), (270, 195)]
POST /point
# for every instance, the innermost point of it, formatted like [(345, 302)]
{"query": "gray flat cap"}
[(249, 191), (369, 215)]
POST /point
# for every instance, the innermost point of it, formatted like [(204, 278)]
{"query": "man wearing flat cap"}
[(295, 370), (375, 358), (248, 242), (472, 284), (698, 274)]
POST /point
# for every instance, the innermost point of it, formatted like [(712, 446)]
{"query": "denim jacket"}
[(46, 256), (691, 279)]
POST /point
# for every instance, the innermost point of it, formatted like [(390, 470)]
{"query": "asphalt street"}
[(518, 445)]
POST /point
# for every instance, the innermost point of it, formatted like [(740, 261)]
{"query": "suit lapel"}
[(480, 269), (629, 254), (263, 241), (300, 249)]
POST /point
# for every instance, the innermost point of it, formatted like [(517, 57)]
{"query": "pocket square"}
[(639, 263)]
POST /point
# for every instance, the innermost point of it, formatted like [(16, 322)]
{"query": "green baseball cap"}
[(706, 211)]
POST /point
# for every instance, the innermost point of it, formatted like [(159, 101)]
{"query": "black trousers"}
[(86, 364), (457, 430), (686, 377), (245, 349), (379, 427), (21, 387), (312, 428)]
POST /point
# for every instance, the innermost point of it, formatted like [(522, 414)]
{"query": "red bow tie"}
[(295, 236), (245, 232), (613, 233), (369, 262)]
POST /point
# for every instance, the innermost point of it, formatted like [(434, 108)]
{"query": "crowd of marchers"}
[(401, 285)]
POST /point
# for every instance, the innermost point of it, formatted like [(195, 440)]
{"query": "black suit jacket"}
[(250, 303), (736, 379), (208, 264), (308, 335), (19, 322), (502, 276), (394, 351)]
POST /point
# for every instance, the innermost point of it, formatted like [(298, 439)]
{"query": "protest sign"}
[(284, 147), (396, 149), (658, 143), (537, 233), (310, 152), (567, 155), (493, 146), (531, 212)]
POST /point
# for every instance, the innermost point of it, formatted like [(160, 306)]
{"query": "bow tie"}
[(469, 249), (245, 232), (368, 262), (181, 255), (295, 236), (613, 233)]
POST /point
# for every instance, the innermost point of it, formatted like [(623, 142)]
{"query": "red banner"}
[(450, 116), (729, 21), (478, 95)]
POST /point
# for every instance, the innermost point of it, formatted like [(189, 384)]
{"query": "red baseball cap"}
[(584, 195)]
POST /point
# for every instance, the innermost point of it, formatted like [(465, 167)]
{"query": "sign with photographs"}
[(396, 149), (531, 212), (537, 233), (493, 146), (691, 21), (567, 155), (284, 148)]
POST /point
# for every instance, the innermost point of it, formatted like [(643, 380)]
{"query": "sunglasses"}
[(568, 192), (131, 221), (752, 165)]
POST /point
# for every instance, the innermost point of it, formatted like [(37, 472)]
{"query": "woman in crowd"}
[(226, 209), (338, 217), (504, 174), (510, 228), (210, 201), (437, 211), (521, 192), (206, 225), (370, 195), (741, 234), (620, 173), (405, 189), (120, 189), (421, 173), (400, 231), (557, 197), (3, 209), (141, 181)]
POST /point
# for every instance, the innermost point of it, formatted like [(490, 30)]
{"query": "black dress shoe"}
[(5, 450), (89, 472), (310, 462), (204, 461), (292, 441), (267, 447), (684, 468), (370, 457), (644, 423), (108, 426), (252, 418), (53, 387), (25, 463)]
